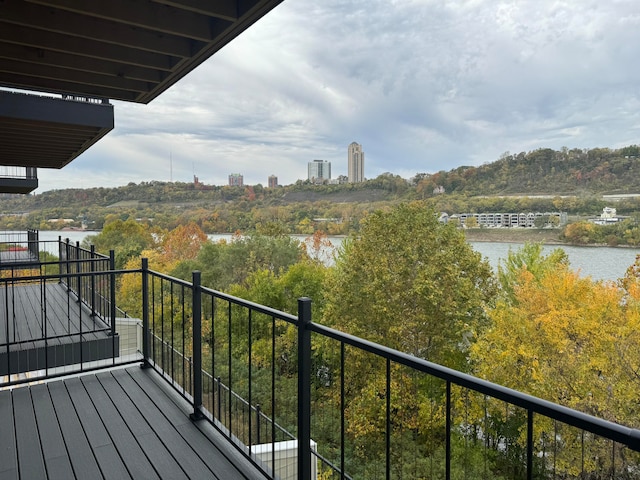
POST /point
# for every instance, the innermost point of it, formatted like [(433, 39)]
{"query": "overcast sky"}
[(422, 85)]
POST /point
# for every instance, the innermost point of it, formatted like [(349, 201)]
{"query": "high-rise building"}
[(236, 180), (319, 171), (273, 181), (355, 157)]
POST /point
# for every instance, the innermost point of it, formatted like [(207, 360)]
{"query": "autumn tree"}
[(567, 339), (529, 258), (182, 243)]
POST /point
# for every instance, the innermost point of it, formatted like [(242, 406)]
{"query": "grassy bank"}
[(514, 235)]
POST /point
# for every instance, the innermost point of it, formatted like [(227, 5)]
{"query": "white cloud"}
[(422, 85)]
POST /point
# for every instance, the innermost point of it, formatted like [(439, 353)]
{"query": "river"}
[(600, 263)]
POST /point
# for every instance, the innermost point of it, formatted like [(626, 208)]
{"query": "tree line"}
[(540, 180), (413, 284)]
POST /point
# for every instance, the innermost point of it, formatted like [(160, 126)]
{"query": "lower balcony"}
[(18, 179), (19, 249), (201, 384)]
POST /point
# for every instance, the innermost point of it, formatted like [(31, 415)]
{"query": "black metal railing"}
[(270, 380), (418, 419), (96, 291), (18, 247), (18, 172)]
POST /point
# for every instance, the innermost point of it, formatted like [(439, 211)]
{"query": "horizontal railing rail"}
[(610, 430)]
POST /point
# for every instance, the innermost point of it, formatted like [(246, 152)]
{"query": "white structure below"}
[(130, 332), (286, 458)]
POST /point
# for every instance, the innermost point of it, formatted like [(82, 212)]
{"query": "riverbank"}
[(547, 236)]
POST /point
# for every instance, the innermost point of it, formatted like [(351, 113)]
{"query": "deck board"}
[(30, 456), (54, 452), (109, 461), (153, 448), (81, 456), (132, 455), (8, 452), (121, 423), (189, 461)]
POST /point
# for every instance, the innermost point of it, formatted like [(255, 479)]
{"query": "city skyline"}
[(448, 84)]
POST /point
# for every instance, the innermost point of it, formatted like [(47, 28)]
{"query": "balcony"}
[(18, 179), (47, 132), (233, 389)]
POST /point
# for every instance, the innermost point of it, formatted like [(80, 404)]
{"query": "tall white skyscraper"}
[(356, 163), (318, 171)]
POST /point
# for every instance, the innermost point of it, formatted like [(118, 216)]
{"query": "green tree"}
[(227, 263), (127, 238), (411, 283), (531, 259)]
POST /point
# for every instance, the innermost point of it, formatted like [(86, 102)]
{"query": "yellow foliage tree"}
[(561, 340)]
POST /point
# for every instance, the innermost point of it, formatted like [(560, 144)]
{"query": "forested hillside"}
[(546, 171), (540, 180)]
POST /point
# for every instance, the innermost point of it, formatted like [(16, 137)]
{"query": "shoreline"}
[(512, 235)]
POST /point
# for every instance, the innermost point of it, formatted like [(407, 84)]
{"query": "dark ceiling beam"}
[(86, 78), (143, 14), (26, 82), (64, 60), (84, 49), (223, 9), (33, 142), (21, 127), (38, 134), (82, 27)]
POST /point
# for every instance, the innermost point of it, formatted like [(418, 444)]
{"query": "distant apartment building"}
[(273, 181), (236, 180), (318, 171), (355, 157), (510, 220)]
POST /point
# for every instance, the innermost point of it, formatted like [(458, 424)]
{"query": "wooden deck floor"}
[(124, 423), (30, 312), (9, 257)]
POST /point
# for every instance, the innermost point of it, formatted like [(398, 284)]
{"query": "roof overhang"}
[(47, 132), (83, 50), (131, 50)]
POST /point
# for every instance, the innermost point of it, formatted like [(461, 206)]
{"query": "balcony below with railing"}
[(233, 389), (18, 179)]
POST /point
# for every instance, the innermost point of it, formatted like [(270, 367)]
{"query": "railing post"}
[(60, 257), (93, 282), (197, 347), (145, 313), (258, 410), (112, 293), (304, 389), (219, 390), (78, 271), (67, 279)]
